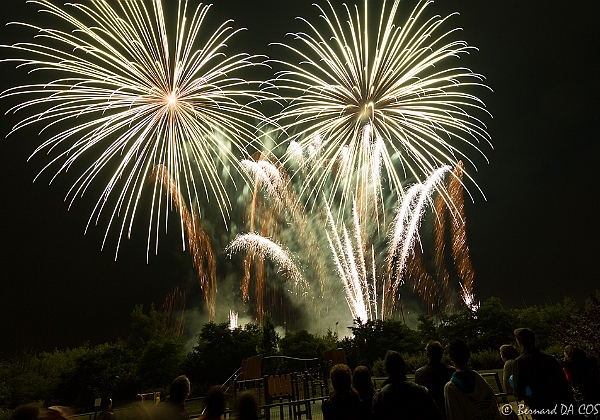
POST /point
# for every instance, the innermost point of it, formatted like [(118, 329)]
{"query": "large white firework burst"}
[(359, 86), (124, 95)]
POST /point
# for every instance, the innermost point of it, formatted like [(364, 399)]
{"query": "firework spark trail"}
[(351, 267), (368, 191), (174, 307), (373, 268), (401, 86), (406, 227), (398, 235), (460, 248), (201, 250), (454, 206), (260, 176), (245, 285), (268, 173), (273, 251), (440, 240), (271, 179), (422, 281), (361, 260), (130, 101), (295, 153), (367, 296), (259, 290), (233, 320), (354, 277)]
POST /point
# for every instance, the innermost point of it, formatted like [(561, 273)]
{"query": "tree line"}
[(153, 354)]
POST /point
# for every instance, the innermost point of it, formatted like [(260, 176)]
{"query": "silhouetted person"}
[(468, 396), (583, 375), (400, 399), (344, 402), (215, 404), (509, 354), (26, 412), (247, 406), (106, 412), (543, 375), (173, 408), (435, 374), (362, 382)]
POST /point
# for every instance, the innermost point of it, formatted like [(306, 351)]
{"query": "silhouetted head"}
[(574, 353), (215, 402), (434, 351), (508, 352), (394, 365), (26, 412), (361, 379), (525, 338), (247, 406), (341, 378), (180, 389), (459, 352)]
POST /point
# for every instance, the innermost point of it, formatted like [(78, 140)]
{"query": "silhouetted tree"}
[(219, 351), (373, 338), (269, 341), (582, 329)]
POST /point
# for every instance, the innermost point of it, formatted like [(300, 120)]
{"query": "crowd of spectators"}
[(543, 388)]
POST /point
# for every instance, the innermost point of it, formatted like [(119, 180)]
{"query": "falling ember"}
[(200, 248), (233, 320)]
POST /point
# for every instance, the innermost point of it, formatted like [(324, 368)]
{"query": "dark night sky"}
[(533, 241)]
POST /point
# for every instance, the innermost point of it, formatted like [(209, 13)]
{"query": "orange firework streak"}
[(460, 248), (440, 223), (286, 200), (245, 286), (174, 307), (201, 250), (458, 232), (422, 281), (436, 290), (259, 262)]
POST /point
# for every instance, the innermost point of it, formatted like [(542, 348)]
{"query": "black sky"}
[(533, 241)]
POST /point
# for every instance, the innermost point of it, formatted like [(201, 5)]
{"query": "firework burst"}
[(394, 90), (353, 249), (131, 98)]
